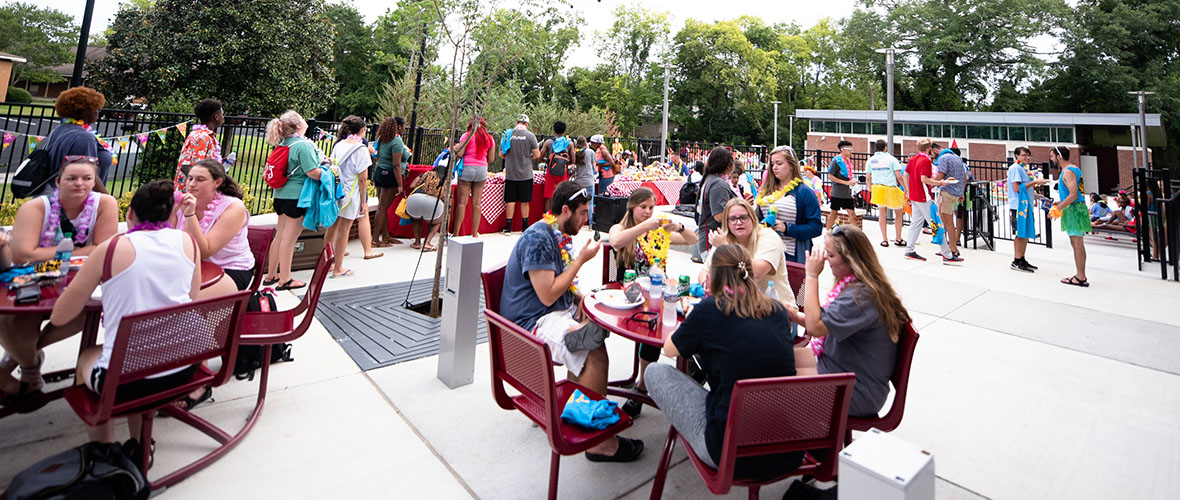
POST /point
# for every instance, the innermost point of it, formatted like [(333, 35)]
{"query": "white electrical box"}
[(878, 466)]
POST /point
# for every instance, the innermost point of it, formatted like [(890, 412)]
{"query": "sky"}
[(595, 14)]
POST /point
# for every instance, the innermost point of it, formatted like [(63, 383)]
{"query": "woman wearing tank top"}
[(212, 212), (152, 266), (74, 209)]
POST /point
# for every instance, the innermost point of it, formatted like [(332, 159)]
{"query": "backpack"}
[(506, 142), (559, 160), (91, 471), (250, 356), (34, 173), (275, 173), (689, 193)]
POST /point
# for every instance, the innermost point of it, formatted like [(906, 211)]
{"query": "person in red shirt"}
[(920, 172)]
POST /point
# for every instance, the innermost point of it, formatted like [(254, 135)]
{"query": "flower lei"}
[(210, 211), (768, 201), (565, 242), (74, 121), (49, 236), (149, 226), (817, 343), (216, 146), (655, 244)]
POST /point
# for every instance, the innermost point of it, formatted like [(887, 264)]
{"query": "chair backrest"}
[(493, 287), (176, 336), (797, 276), (784, 414), (522, 360), (610, 264), (259, 238), (906, 344), (311, 300)]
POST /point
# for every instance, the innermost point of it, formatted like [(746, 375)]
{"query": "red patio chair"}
[(797, 276), (272, 327), (259, 238), (901, 382), (774, 415), (522, 361), (163, 339), (493, 287)]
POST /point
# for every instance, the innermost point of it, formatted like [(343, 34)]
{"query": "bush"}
[(19, 96), (159, 159)]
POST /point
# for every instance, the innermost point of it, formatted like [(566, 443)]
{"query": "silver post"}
[(1134, 148), (791, 131), (664, 128), (1143, 123), (890, 54), (774, 144)]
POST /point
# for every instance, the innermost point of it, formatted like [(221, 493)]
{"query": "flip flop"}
[(1075, 281), (415, 245), (430, 248), (270, 281), (344, 274), (382, 244), (187, 403), (899, 243), (374, 256), (394, 241), (884, 243), (290, 285)]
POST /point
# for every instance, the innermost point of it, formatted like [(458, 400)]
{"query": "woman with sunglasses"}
[(739, 225), (638, 230), (740, 334), (73, 210), (856, 328), (795, 207)]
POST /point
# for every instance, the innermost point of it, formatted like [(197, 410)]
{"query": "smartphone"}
[(28, 295)]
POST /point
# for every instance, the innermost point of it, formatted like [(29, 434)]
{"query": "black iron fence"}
[(1155, 235)]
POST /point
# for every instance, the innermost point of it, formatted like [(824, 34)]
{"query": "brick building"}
[(1101, 144)]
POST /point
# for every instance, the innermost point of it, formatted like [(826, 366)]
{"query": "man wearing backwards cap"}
[(518, 173), (605, 162)]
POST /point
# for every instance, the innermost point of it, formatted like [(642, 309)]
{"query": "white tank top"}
[(76, 222), (160, 275)]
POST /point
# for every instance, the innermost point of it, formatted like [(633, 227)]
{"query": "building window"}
[(1065, 134), (1039, 134), (979, 132), (1016, 133), (915, 129), (959, 131), (877, 128), (1000, 133), (897, 129)]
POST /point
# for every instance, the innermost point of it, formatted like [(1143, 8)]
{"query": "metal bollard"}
[(460, 311)]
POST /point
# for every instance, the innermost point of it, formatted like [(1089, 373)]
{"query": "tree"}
[(626, 85), (43, 36), (352, 62), (259, 57), (545, 36)]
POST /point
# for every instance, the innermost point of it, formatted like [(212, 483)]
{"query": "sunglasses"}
[(650, 318), (838, 230), (581, 193), (79, 159)]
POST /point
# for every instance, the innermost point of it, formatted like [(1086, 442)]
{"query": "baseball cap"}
[(597, 138), (523, 118)]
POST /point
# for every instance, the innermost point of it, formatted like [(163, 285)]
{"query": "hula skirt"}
[(1075, 220), (888, 196)]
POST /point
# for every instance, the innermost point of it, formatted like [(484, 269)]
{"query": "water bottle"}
[(669, 313), (656, 291), (65, 248), (230, 159)]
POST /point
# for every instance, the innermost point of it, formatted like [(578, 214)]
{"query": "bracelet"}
[(194, 214)]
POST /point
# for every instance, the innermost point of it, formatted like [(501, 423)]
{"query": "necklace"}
[(655, 244), (149, 226), (74, 121), (211, 212), (212, 138), (52, 233), (768, 201), (817, 343), (566, 243)]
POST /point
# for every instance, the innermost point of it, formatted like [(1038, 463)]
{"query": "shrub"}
[(19, 96)]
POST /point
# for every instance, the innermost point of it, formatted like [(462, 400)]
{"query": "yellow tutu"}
[(888, 196)]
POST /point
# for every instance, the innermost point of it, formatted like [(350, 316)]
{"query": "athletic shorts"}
[(518, 191), (843, 203), (142, 387), (289, 208)]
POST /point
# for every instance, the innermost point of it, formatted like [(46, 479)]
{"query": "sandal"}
[(899, 243), (291, 285), (133, 450), (382, 244), (374, 256), (270, 281), (415, 245), (429, 248), (344, 274), (394, 241), (884, 243), (187, 403), (8, 364), (1075, 281), (629, 451)]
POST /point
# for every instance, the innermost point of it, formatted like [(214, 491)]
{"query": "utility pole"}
[(417, 139), (1143, 122), (890, 54), (664, 127), (83, 39), (774, 144)]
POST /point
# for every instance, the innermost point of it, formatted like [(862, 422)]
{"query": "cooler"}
[(608, 211), (878, 466)]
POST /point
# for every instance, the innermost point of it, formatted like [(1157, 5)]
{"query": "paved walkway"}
[(1021, 388)]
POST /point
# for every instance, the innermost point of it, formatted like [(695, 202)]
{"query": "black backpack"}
[(91, 471), (250, 356), (34, 173), (559, 162), (689, 193)]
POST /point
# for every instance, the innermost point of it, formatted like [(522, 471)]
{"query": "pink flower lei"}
[(210, 212), (817, 343), (52, 233)]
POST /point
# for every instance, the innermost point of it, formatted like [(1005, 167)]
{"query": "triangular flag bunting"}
[(34, 141), (123, 143), (183, 128), (9, 137), (163, 133), (143, 138)]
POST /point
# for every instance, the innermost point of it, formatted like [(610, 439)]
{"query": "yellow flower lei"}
[(769, 199), (565, 243), (655, 245)]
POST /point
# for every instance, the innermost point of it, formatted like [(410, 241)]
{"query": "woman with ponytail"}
[(475, 147), (739, 333), (856, 328), (212, 212)]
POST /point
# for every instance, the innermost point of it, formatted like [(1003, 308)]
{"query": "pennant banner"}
[(123, 141), (183, 128), (34, 140), (143, 138), (163, 133)]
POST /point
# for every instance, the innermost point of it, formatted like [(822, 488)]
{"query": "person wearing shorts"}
[(477, 153), (518, 173), (949, 166), (840, 173)]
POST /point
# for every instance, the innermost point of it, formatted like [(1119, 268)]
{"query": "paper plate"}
[(615, 299)]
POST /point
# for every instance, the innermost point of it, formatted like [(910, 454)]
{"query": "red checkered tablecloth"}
[(622, 188), (668, 191), (492, 202)]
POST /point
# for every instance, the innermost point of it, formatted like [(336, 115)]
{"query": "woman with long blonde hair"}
[(857, 328), (739, 333), (796, 209), (739, 225)]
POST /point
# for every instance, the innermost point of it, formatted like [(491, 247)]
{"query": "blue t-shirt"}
[(535, 250), (882, 165), (1097, 210), (1016, 174), (71, 139), (952, 166)]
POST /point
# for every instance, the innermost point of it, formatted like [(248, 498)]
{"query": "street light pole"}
[(83, 38), (664, 128), (791, 131), (775, 143), (1143, 122), (890, 56)]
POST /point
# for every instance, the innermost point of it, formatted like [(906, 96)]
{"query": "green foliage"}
[(8, 211), (536, 48), (352, 63), (19, 96), (260, 57), (158, 159), (45, 37)]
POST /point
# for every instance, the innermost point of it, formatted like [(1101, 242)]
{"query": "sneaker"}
[(1019, 265), (507, 230), (1026, 264), (953, 259), (632, 408), (915, 256)]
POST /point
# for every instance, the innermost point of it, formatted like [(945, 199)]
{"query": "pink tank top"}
[(236, 254)]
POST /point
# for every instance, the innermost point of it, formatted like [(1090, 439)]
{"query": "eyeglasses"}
[(838, 230), (741, 218), (79, 159)]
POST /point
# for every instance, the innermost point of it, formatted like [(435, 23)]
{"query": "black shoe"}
[(632, 408), (132, 449), (915, 256), (1030, 266), (629, 451), (1019, 265)]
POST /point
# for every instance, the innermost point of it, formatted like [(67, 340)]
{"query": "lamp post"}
[(83, 38), (791, 131), (1142, 121), (664, 127), (890, 54), (775, 103)]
